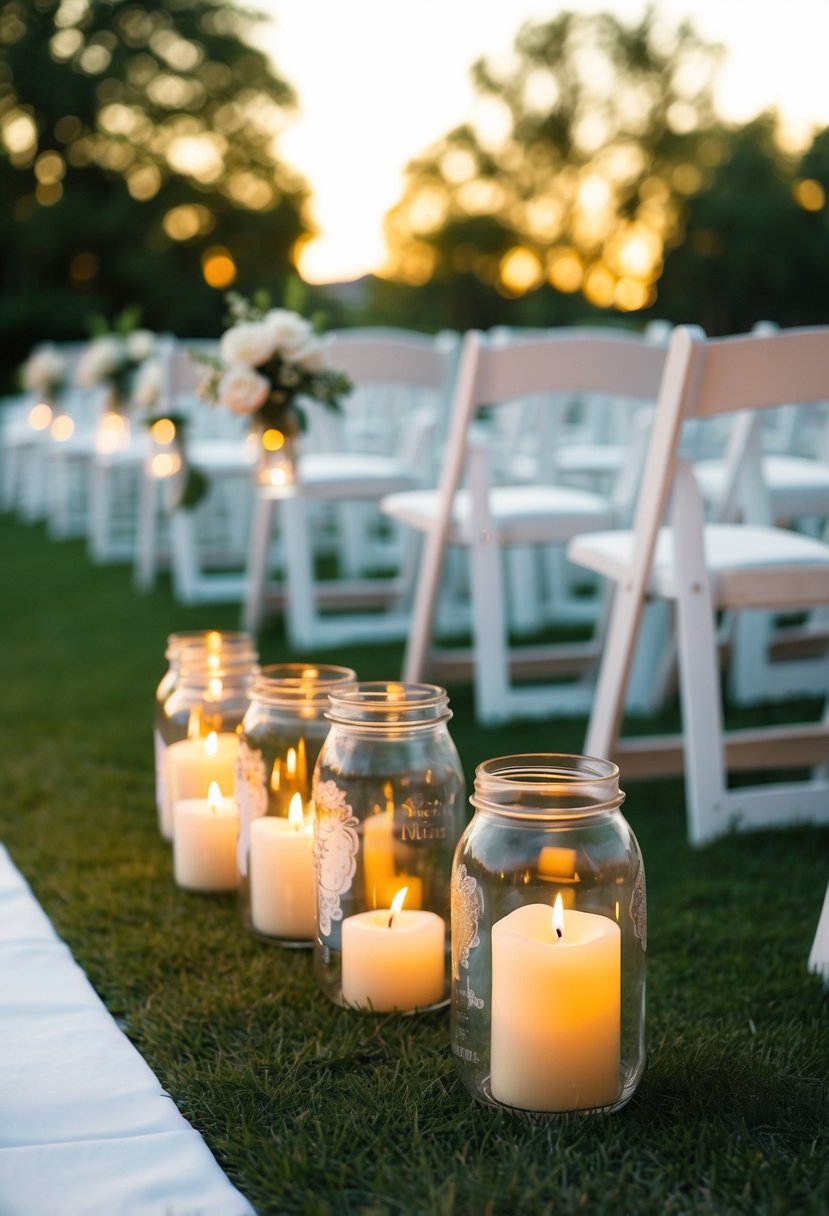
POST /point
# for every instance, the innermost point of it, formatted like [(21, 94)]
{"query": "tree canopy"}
[(138, 163), (575, 173)]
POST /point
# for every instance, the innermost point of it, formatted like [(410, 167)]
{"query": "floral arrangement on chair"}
[(114, 356), (269, 360), (44, 372)]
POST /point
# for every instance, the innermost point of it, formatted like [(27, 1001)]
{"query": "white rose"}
[(44, 368), (311, 356), (140, 344), (250, 343), (289, 331), (243, 390), (102, 357), (148, 384)]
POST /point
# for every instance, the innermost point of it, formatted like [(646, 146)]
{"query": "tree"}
[(575, 174), (750, 248), (138, 165)]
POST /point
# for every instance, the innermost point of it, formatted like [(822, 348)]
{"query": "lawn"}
[(313, 1109)]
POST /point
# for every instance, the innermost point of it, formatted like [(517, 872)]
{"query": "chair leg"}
[(253, 609), (819, 954), (146, 543), (522, 589), (489, 632), (185, 560), (654, 659), (749, 658), (301, 616), (699, 672)]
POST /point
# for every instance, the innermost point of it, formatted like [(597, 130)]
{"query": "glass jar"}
[(282, 733), (202, 699), (389, 795), (549, 934), (276, 461)]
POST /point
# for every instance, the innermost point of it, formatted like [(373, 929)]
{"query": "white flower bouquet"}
[(44, 371), (269, 359), (115, 357)]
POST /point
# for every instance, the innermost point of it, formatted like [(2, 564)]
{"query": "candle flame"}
[(214, 796), (397, 903), (290, 762), (211, 744), (558, 918), (194, 723), (296, 815)]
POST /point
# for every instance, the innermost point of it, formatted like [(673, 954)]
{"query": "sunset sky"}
[(379, 80)]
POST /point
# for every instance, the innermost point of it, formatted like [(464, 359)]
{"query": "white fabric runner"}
[(85, 1127)]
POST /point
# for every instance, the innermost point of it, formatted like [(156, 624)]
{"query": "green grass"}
[(312, 1109)]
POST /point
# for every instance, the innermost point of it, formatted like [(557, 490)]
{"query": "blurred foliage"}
[(575, 171), (597, 181), (137, 160), (593, 183), (755, 243)]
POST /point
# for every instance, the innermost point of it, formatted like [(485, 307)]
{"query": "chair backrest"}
[(491, 374), (395, 372), (712, 378), (557, 362)]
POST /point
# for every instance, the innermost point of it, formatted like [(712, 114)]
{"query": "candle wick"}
[(559, 934), (391, 918)]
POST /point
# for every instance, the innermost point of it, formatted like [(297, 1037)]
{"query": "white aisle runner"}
[(85, 1127)]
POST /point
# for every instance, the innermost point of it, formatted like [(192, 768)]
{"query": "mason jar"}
[(200, 703), (389, 795), (281, 736), (549, 938)]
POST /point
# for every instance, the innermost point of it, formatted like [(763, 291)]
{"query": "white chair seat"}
[(729, 549), (520, 514), (750, 568), (798, 487), (222, 456), (353, 475)]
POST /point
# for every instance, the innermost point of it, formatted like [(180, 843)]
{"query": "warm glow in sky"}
[(379, 80)]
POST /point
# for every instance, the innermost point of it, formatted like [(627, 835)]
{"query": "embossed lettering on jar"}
[(389, 795), (549, 939)]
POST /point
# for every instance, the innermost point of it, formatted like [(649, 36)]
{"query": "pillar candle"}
[(192, 764), (282, 895), (555, 1009), (204, 842), (393, 960), (380, 877)]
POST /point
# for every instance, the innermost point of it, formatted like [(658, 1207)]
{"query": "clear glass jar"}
[(204, 692), (282, 733), (549, 937), (389, 794)]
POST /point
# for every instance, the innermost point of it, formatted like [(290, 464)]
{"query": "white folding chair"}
[(402, 385), (819, 953), (205, 544), (761, 487), (701, 569), (486, 519)]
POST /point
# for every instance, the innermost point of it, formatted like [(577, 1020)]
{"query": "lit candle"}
[(393, 959), (556, 984), (289, 776), (282, 895), (192, 764), (380, 877), (558, 865), (204, 842)]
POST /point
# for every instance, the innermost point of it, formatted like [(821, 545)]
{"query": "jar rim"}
[(551, 784), (306, 682), (368, 703)]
